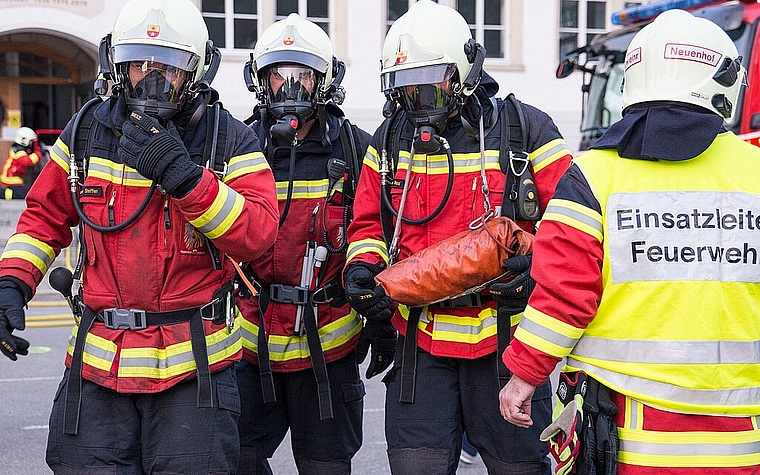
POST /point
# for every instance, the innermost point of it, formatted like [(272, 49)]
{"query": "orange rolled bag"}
[(459, 265)]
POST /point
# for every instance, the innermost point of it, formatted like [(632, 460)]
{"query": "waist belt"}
[(220, 309), (473, 300)]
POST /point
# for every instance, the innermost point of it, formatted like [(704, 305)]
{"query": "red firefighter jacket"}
[(309, 215), (462, 332), (161, 262), (16, 164)]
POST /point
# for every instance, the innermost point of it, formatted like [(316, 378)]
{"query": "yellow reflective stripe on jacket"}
[(667, 242), (576, 216), (456, 328), (547, 334), (98, 352), (285, 348), (439, 165), (59, 153), (305, 189), (367, 245), (27, 248), (245, 164), (548, 153), (371, 159), (110, 171), (222, 213), (175, 360)]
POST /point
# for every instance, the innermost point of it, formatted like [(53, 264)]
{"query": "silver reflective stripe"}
[(463, 329), (459, 163), (178, 359), (548, 153), (668, 352), (553, 208), (221, 215), (669, 392), (546, 334), (92, 350), (318, 187), (701, 450)]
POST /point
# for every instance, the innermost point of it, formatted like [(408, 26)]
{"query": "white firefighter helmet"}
[(294, 40), (426, 45), (682, 58), (24, 136), (150, 33)]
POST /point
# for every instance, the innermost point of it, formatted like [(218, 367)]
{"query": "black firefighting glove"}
[(159, 154), (12, 301), (364, 294), (381, 337), (512, 296)]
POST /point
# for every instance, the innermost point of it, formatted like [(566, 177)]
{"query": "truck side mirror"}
[(754, 121), (566, 67)]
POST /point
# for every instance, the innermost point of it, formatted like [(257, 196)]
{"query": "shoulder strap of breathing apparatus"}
[(520, 200), (352, 153)]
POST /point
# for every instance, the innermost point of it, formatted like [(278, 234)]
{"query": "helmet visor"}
[(427, 97), (437, 73), (152, 80), (291, 82), (183, 60)]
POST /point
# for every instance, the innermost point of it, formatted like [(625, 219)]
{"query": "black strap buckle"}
[(121, 318), (212, 315), (473, 300), (288, 294)]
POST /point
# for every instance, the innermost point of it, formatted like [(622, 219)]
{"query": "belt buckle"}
[(206, 305), (121, 318)]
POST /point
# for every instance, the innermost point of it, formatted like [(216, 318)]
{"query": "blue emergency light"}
[(652, 9)]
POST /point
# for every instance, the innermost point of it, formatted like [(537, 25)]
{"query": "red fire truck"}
[(601, 62)]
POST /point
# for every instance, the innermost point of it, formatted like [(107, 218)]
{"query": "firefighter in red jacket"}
[(20, 158), (300, 336), (149, 385), (646, 275), (432, 67)]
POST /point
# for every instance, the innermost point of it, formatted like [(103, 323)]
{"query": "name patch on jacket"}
[(684, 235), (91, 191)]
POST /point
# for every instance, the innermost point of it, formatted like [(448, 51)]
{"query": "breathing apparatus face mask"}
[(292, 98), (426, 94), (155, 88)]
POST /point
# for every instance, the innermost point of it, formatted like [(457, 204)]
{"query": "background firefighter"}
[(149, 384), (640, 284), (300, 370), (21, 157), (431, 66)]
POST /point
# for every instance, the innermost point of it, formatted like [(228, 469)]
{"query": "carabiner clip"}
[(475, 224)]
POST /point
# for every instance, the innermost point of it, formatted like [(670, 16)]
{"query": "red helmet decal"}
[(288, 40), (401, 57), (153, 30)]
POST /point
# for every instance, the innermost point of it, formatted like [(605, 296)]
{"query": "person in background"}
[(647, 279), (443, 137), (300, 337), (21, 157), (149, 383)]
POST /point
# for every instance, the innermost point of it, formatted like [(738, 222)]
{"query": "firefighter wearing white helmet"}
[(21, 157), (434, 168), (654, 230), (149, 385), (315, 153)]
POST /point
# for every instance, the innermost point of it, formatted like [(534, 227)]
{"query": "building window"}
[(579, 22), (318, 11), (231, 23), (487, 20)]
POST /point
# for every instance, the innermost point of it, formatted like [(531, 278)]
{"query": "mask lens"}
[(427, 97), (294, 83), (156, 81)]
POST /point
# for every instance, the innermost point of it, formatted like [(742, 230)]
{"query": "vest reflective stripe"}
[(697, 400), (651, 338), (245, 164), (221, 215), (115, 173), (689, 449), (456, 328), (575, 216), (286, 348), (98, 352), (367, 245), (27, 248), (547, 334), (548, 153), (175, 360)]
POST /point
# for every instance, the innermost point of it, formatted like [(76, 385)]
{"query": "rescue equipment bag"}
[(469, 260)]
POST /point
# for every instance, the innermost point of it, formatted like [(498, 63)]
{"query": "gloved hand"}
[(513, 296), (12, 303), (381, 337), (364, 294), (159, 154)]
